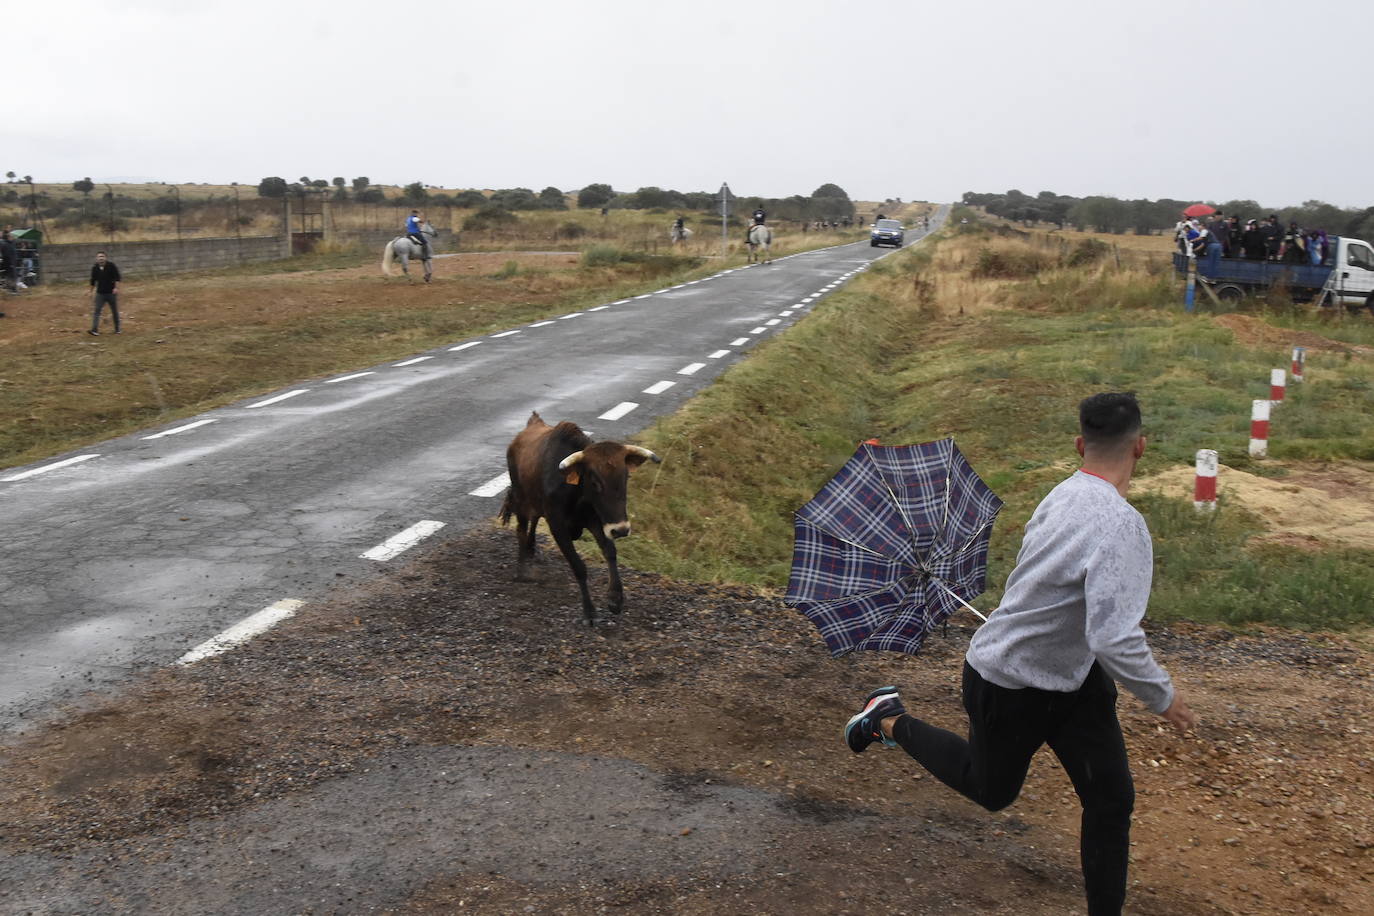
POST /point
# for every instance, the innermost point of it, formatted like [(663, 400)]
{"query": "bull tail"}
[(507, 510)]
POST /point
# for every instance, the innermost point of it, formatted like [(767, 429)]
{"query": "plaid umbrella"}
[(894, 544)]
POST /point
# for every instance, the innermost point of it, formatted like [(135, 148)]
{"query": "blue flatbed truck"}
[(1346, 277)]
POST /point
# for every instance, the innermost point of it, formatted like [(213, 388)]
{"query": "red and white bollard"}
[(1299, 363), (1278, 381), (1205, 483), (1259, 429)]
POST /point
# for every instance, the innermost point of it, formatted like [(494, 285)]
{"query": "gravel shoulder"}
[(446, 737)]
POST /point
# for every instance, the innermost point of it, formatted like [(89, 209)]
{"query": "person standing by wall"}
[(9, 253), (1042, 669), (105, 283)]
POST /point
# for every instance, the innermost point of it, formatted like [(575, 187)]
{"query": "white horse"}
[(404, 247), (760, 237), (676, 234)]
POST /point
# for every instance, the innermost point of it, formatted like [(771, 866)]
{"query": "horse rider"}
[(756, 220), (414, 231), (679, 229)]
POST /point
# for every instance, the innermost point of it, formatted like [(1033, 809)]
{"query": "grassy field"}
[(988, 338), (196, 341)]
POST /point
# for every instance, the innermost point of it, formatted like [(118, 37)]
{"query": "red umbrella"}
[(1199, 210)]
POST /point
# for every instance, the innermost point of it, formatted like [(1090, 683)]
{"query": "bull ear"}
[(569, 466), (636, 455)]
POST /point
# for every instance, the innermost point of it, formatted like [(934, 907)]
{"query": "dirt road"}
[(450, 739)]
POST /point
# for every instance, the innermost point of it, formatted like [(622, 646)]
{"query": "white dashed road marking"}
[(411, 362), (718, 354), (616, 302), (600, 307), (541, 324), (618, 411), (48, 467), (347, 378), (506, 333), (179, 429), (786, 314), (739, 341), (399, 543), (280, 397), (569, 315), (773, 321), (758, 330), (244, 630), (659, 387), (471, 343), (493, 487), (691, 368)]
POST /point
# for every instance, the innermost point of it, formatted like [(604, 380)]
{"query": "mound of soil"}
[(1255, 332), (1315, 503), (686, 759)]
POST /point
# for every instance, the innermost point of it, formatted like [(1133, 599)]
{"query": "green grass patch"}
[(871, 361)]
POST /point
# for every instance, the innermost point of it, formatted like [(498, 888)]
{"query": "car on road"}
[(887, 232)]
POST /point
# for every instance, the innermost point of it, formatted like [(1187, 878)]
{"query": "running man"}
[(1041, 670)]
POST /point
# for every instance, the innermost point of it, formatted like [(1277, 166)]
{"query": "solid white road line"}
[(411, 362), (691, 368), (470, 343), (773, 321), (244, 630), (739, 341), (506, 333), (718, 354), (280, 397), (48, 467), (600, 307), (399, 543), (179, 429), (541, 324), (618, 411), (493, 487), (659, 387), (758, 330), (348, 377)]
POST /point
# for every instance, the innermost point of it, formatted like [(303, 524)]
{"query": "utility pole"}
[(724, 212)]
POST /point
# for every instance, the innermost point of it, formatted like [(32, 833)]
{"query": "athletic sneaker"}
[(866, 726)]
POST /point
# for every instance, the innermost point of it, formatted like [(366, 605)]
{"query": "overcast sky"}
[(911, 99)]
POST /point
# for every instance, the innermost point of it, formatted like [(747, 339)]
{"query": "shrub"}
[(1087, 251), (571, 230), (490, 217), (1008, 263), (602, 256)]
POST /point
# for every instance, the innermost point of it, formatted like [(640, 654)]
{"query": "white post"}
[(1299, 363), (1205, 480), (1277, 383), (1259, 429)]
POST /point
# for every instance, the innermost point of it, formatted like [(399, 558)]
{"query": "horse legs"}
[(429, 271)]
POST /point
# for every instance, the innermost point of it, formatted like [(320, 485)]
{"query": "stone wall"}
[(142, 259)]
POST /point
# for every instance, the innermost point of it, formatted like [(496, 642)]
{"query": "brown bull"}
[(559, 474)]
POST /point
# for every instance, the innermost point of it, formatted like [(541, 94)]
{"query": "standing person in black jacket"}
[(105, 281), (1252, 240)]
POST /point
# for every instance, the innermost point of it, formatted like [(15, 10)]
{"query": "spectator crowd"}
[(1220, 236)]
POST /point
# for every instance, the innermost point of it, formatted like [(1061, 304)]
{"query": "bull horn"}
[(644, 453), (569, 461)]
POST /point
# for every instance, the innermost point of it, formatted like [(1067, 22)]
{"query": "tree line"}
[(1148, 217)]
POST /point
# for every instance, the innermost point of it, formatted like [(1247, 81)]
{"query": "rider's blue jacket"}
[(413, 225)]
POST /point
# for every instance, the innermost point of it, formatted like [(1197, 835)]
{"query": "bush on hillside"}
[(490, 217), (602, 256)]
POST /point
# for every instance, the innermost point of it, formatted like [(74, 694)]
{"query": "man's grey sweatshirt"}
[(1077, 595)]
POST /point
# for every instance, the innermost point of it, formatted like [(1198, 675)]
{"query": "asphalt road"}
[(130, 553)]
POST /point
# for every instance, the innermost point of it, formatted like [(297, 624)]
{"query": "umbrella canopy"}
[(894, 544), (1197, 210)]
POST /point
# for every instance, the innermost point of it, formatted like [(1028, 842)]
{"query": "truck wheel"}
[(1230, 293)]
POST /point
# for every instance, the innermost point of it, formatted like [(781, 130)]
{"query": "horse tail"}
[(388, 257)]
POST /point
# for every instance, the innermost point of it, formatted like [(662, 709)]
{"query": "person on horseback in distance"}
[(757, 219), (414, 225)]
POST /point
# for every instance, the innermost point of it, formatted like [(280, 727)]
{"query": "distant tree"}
[(414, 194), (272, 187), (319, 183), (552, 199), (360, 184), (28, 179), (490, 217), (9, 176), (338, 182), (515, 199), (85, 186), (369, 196), (830, 201), (303, 180), (594, 196), (470, 199)]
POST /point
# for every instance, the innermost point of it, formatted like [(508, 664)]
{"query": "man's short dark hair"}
[(100, 252), (1109, 419)]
